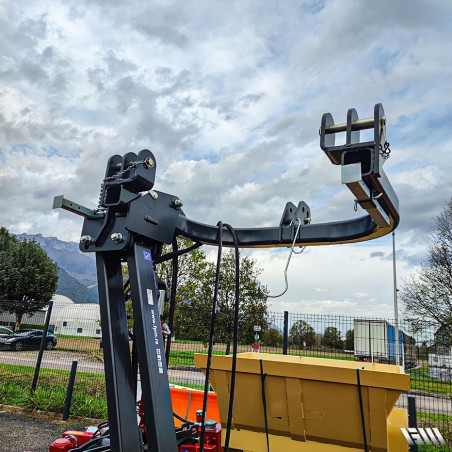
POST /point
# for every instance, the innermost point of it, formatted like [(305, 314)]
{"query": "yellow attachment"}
[(312, 404)]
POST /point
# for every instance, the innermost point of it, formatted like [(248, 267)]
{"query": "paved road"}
[(62, 360), (54, 359), (438, 405)]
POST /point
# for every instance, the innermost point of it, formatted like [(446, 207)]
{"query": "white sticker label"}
[(150, 297)]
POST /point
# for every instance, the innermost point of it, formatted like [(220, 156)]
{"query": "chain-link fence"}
[(75, 335)]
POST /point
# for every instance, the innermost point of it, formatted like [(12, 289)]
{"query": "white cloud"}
[(229, 98)]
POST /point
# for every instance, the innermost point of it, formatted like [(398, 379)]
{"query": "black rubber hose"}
[(172, 306), (361, 408), (213, 318), (236, 334), (177, 253), (182, 419)]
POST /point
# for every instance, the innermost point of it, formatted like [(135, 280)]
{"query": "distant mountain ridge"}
[(77, 271)]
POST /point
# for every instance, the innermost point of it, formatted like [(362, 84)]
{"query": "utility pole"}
[(399, 356)]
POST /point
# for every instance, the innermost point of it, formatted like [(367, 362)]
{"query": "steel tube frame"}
[(151, 353), (122, 417)]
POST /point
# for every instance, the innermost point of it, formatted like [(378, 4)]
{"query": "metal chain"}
[(147, 163), (385, 150)]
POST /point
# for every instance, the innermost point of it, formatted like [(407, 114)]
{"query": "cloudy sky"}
[(229, 96)]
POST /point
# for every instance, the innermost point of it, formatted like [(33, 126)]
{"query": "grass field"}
[(420, 380), (89, 398), (443, 423)]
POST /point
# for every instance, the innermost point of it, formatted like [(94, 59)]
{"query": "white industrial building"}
[(75, 319), (69, 318)]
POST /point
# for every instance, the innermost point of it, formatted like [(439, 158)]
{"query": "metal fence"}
[(426, 356)]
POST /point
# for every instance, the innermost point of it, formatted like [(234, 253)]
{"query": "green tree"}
[(272, 337), (332, 338), (253, 308), (427, 294), (196, 279), (302, 333), (196, 311), (28, 277), (349, 343)]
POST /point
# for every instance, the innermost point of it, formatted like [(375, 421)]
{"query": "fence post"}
[(412, 421), (286, 331), (41, 347), (70, 389)]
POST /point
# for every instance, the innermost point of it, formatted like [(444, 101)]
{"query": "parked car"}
[(5, 331), (27, 339)]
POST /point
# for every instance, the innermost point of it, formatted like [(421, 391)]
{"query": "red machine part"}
[(212, 441), (61, 445), (212, 436), (72, 439)]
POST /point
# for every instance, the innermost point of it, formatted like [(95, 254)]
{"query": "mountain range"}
[(77, 277)]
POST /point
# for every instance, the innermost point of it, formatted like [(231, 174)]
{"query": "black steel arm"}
[(129, 205), (360, 229)]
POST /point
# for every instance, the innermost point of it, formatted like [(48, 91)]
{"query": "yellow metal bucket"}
[(311, 404)]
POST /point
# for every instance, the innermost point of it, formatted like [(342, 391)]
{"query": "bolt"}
[(154, 194), (177, 203), (86, 239), (117, 237), (148, 162)]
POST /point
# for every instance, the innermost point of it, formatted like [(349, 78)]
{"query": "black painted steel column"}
[(285, 332), (122, 417), (151, 355)]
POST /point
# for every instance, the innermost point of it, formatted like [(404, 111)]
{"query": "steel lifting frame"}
[(132, 223)]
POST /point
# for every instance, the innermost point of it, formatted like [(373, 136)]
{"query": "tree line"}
[(427, 294), (195, 291), (28, 280), (28, 277)]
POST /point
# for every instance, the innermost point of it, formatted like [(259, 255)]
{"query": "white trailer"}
[(375, 341)]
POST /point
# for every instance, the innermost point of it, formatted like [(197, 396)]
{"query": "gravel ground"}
[(22, 432)]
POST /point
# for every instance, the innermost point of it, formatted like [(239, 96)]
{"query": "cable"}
[(213, 318), (292, 251), (172, 306), (182, 419), (235, 340), (176, 253), (264, 402), (361, 407)]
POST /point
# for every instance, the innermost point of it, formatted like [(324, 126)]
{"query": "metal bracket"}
[(288, 225)]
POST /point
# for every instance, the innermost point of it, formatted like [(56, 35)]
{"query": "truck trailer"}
[(375, 341)]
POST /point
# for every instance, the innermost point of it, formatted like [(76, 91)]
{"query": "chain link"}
[(385, 150), (147, 163)]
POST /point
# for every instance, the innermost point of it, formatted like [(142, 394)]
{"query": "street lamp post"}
[(399, 359)]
